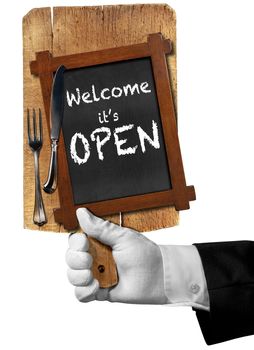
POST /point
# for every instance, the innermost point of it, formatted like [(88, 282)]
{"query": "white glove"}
[(148, 273), (139, 263)]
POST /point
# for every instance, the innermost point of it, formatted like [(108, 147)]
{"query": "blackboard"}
[(132, 81), (128, 100)]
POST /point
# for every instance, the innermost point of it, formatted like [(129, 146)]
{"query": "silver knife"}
[(56, 117)]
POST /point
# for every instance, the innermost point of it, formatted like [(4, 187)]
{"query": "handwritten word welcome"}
[(95, 95)]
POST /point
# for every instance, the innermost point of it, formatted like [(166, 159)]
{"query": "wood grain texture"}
[(77, 30), (37, 36)]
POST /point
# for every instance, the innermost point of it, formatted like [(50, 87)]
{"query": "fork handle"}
[(51, 183), (39, 217)]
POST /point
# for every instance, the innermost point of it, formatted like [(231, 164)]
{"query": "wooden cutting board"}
[(69, 30)]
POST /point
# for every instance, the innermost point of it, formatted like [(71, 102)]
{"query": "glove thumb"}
[(104, 231)]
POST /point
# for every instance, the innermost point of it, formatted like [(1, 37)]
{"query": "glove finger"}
[(102, 294), (79, 242), (78, 260), (79, 277), (87, 293)]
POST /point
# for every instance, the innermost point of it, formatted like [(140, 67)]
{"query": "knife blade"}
[(56, 118)]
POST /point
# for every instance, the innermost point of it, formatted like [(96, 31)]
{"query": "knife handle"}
[(51, 183)]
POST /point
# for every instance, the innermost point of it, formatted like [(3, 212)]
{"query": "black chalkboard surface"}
[(112, 132)]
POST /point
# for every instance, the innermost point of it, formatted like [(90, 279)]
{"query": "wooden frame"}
[(156, 48)]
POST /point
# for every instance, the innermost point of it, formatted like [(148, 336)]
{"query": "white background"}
[(215, 108)]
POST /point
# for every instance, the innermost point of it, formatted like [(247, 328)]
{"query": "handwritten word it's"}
[(104, 116), (101, 136), (95, 95)]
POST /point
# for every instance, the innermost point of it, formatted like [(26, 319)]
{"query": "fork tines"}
[(33, 138)]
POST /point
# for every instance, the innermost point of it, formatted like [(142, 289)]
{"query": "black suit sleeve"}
[(229, 271)]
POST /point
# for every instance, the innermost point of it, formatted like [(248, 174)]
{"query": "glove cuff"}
[(184, 278)]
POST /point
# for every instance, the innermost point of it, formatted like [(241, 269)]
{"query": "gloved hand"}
[(139, 263), (148, 273)]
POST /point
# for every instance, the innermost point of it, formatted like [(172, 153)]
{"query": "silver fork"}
[(35, 143)]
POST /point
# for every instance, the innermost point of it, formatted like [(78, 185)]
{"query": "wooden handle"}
[(104, 266)]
